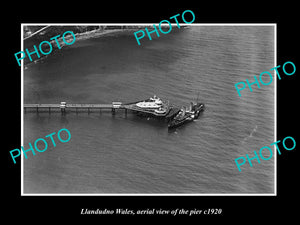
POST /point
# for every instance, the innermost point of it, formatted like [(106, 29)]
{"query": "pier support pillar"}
[(63, 107), (113, 111)]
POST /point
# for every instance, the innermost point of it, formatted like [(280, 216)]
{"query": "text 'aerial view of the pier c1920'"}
[(162, 117)]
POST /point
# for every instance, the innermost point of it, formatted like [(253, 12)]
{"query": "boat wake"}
[(251, 134)]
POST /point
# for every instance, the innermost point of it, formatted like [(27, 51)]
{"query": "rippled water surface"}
[(130, 154)]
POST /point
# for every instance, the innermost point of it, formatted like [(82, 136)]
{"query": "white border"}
[(275, 110), (140, 194), (22, 111)]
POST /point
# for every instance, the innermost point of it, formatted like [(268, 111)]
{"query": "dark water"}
[(119, 154)]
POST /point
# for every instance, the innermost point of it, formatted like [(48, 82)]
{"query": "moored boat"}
[(185, 116)]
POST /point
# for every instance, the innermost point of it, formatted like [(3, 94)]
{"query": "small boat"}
[(185, 116)]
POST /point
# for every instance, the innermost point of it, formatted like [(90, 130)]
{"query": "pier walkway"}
[(58, 106), (63, 107)]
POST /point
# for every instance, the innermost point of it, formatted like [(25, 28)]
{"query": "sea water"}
[(132, 154)]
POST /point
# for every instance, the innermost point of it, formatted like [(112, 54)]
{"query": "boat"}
[(185, 116), (157, 108)]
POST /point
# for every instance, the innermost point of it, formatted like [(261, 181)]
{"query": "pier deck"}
[(63, 107), (71, 107), (98, 106)]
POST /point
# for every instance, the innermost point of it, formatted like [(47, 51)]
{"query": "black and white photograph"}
[(143, 111), (162, 117)]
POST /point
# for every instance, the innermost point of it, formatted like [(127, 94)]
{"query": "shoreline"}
[(79, 37), (97, 33)]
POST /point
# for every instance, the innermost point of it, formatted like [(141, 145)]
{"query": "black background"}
[(241, 209)]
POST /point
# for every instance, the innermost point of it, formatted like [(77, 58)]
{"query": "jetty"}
[(63, 107), (152, 107)]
